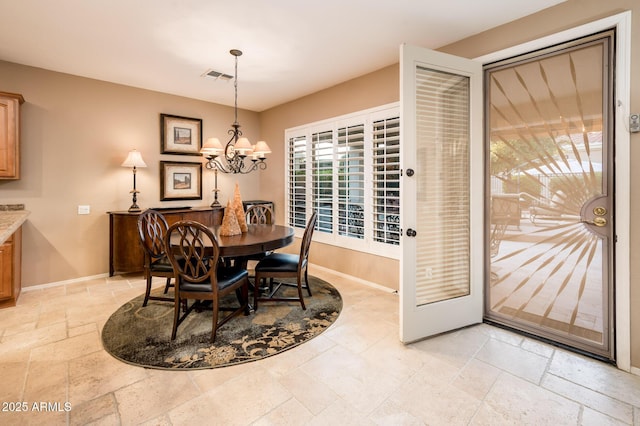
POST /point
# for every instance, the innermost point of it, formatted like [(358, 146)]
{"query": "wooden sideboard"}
[(125, 251)]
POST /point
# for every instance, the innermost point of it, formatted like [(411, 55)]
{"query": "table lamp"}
[(134, 159)]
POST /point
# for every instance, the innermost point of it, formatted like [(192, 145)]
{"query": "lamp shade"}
[(212, 147), (261, 148), (243, 146), (134, 159)]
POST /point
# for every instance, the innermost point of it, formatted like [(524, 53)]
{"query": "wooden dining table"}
[(257, 239)]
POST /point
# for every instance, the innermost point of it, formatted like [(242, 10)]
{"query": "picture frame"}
[(180, 180), (180, 135)]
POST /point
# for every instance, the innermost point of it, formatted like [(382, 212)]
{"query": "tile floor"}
[(355, 373)]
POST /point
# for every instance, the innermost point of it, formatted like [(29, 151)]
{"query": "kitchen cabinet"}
[(10, 269), (10, 135)]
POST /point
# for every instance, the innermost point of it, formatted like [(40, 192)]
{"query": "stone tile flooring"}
[(52, 366)]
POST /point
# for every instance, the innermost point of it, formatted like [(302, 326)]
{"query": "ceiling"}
[(291, 48)]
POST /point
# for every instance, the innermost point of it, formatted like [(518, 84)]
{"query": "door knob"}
[(597, 221), (411, 232), (599, 211)]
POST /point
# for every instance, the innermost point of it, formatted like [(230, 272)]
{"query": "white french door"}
[(441, 268)]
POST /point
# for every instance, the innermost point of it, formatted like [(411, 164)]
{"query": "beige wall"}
[(75, 134), (371, 90)]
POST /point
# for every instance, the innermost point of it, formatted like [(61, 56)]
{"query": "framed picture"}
[(180, 181), (180, 135)]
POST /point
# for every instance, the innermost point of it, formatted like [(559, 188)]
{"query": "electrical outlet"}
[(84, 209)]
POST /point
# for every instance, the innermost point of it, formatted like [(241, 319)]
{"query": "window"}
[(348, 170)]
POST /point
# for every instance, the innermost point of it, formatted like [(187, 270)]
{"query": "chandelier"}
[(231, 158)]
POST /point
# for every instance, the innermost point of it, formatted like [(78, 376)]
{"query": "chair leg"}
[(214, 327), (256, 291), (300, 293), (243, 297), (147, 291), (167, 285), (176, 315), (306, 280)]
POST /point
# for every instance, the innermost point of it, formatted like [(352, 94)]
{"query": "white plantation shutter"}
[(297, 176), (442, 108), (322, 179), (347, 169), (386, 181), (350, 171)]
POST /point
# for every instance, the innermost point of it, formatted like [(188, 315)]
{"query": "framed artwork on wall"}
[(180, 181), (180, 135)]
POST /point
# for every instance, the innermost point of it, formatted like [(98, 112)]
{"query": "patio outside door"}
[(550, 221)]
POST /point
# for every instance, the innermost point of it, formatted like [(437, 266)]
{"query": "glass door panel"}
[(441, 129)]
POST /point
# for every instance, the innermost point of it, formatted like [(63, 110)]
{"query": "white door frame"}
[(622, 23)]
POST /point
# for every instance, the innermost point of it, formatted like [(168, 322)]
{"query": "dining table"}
[(258, 239)]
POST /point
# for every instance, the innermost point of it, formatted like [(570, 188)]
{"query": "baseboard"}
[(635, 371), (352, 278), (60, 283), (105, 275)]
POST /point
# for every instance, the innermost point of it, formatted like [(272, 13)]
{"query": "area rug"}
[(142, 335)]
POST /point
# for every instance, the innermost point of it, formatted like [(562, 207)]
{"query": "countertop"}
[(10, 221)]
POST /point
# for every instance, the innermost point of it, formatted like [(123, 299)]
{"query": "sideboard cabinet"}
[(10, 135), (125, 251), (10, 269)]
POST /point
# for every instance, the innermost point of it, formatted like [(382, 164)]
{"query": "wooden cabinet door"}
[(6, 276), (10, 135), (127, 254)]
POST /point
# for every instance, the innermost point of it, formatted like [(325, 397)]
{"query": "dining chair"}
[(152, 228), (259, 214), (285, 265), (194, 253)]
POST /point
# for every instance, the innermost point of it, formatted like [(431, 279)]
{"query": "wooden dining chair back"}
[(284, 265), (152, 228), (260, 214), (200, 276)]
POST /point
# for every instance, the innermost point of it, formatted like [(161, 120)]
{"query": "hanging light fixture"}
[(231, 158)]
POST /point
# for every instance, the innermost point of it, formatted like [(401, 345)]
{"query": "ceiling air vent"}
[(217, 75)]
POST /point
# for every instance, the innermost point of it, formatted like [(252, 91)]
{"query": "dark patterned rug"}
[(142, 336)]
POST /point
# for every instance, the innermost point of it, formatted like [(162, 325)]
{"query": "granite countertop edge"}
[(10, 221)]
